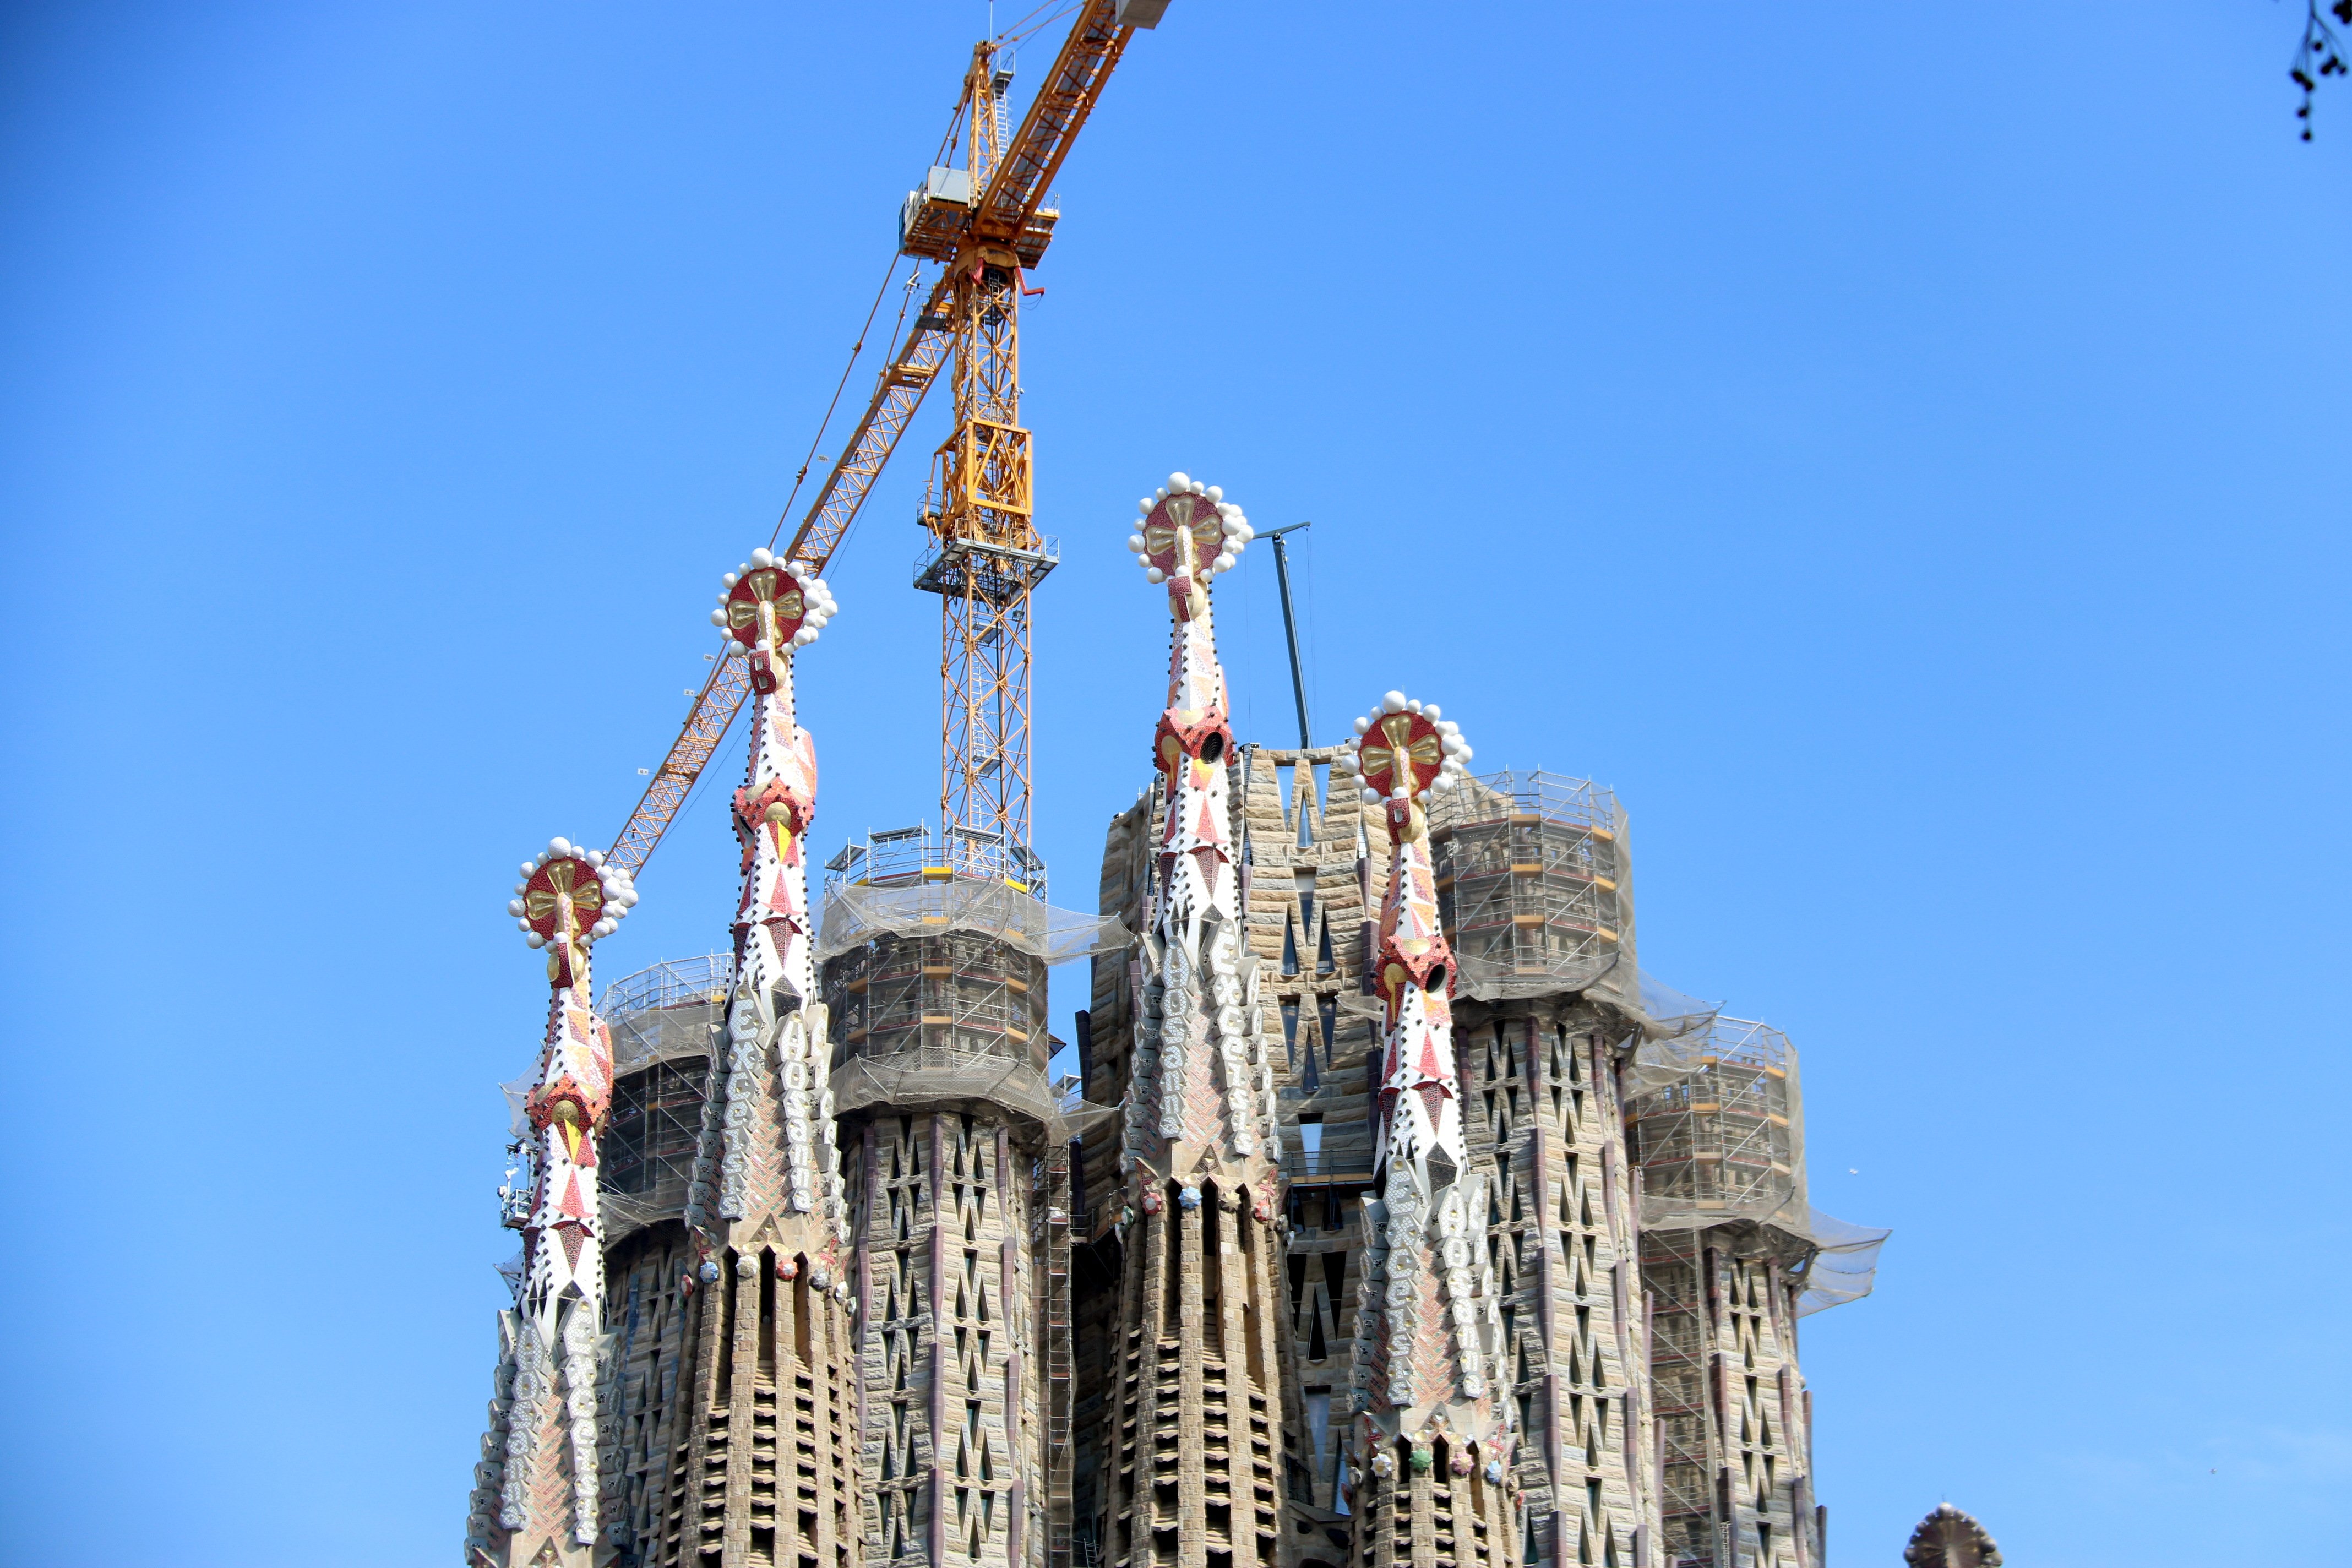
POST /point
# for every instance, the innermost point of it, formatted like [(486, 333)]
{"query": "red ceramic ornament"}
[(765, 602), (1400, 748)]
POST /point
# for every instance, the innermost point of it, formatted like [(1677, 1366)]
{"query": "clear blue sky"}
[(1899, 447)]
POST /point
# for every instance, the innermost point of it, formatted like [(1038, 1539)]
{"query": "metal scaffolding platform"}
[(1530, 882)]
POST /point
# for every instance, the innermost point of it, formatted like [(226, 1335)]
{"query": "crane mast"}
[(986, 556)]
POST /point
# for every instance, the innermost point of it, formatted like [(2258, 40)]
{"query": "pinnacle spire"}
[(1429, 1329), (775, 1153), (1200, 1078), (547, 1432)]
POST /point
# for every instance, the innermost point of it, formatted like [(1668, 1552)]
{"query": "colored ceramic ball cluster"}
[(1426, 751), (615, 892), (1201, 530), (765, 576)]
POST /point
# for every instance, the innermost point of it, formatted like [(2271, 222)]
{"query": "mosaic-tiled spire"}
[(1199, 1302), (542, 1451), (1199, 1079), (1428, 1322), (769, 1148), (760, 1474)]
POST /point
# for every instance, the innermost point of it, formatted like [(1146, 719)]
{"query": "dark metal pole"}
[(1289, 624)]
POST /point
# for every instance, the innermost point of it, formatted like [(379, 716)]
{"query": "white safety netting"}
[(518, 1093), (857, 914), (1844, 1263), (932, 1078), (1717, 1113)]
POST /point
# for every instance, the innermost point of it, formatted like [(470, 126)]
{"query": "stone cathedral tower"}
[(1428, 1438), (1535, 889), (1195, 1365), (537, 1495), (762, 1470)]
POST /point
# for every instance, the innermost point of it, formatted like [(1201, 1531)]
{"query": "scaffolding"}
[(1674, 1272), (666, 1010), (935, 979), (1727, 1140), (656, 1123), (1530, 882), (664, 1019), (901, 857), (1717, 1133), (957, 994)]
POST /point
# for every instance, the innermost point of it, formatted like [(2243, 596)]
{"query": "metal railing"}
[(905, 856), (1525, 792), (672, 982)]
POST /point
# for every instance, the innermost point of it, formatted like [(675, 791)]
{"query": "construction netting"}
[(961, 992), (668, 1010), (936, 992), (1531, 883), (1666, 1016), (858, 912), (1844, 1261), (1718, 1130), (942, 1078), (1724, 1139)]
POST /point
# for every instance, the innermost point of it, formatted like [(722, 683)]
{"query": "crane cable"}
[(1035, 21), (854, 350), (947, 147)]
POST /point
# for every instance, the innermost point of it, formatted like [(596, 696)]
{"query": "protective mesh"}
[(957, 992), (856, 914), (1531, 883), (950, 1079), (944, 1017), (670, 1010), (1725, 1139), (1844, 1263), (1717, 1126)]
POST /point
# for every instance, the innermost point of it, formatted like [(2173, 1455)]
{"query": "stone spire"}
[(535, 1502), (1194, 1478), (1202, 1092), (764, 1472), (770, 1153), (1428, 1324)]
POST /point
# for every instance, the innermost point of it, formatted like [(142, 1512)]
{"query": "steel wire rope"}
[(946, 146), (948, 138), (1034, 21), (1248, 640), (825, 424)]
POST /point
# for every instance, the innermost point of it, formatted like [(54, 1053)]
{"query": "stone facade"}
[(1539, 1078), (948, 1447)]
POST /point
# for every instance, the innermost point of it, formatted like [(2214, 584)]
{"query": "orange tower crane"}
[(985, 554)]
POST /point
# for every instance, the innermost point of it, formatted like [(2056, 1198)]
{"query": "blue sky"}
[(1899, 448)]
